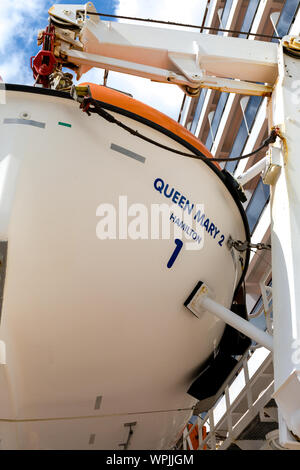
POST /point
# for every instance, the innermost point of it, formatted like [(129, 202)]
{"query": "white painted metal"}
[(253, 171), (210, 119), (100, 317), (87, 60), (285, 236), (181, 57), (274, 17), (202, 302), (266, 308), (228, 418)]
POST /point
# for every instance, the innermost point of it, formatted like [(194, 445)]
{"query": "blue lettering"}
[(175, 253), (206, 224), (172, 217), (180, 203), (216, 232), (166, 189), (188, 207), (211, 229), (159, 185), (175, 197), (221, 241), (199, 219)]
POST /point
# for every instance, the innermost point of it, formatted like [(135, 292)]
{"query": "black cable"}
[(172, 23), (98, 109)]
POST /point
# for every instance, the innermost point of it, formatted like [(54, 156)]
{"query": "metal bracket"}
[(78, 93), (130, 433), (274, 165), (193, 302), (199, 301)]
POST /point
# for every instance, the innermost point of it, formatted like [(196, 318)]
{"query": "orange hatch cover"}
[(120, 100)]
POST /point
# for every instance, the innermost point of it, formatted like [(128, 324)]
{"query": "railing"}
[(225, 15), (244, 394), (261, 314), (257, 203), (198, 110), (216, 119), (249, 17), (286, 18), (243, 132), (236, 413)]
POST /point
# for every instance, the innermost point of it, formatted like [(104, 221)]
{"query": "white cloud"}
[(16, 19), (15, 69), (190, 11), (19, 22), (166, 98)]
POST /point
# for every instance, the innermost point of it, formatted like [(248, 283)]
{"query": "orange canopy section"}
[(120, 100)]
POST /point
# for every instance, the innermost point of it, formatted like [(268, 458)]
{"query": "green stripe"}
[(64, 124)]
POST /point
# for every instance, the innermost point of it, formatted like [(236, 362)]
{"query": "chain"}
[(243, 246)]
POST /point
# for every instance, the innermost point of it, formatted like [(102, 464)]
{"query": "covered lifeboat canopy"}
[(107, 236), (144, 113)]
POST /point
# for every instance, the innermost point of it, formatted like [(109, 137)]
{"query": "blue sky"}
[(20, 21)]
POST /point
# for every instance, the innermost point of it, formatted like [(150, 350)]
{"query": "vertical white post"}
[(220, 13), (212, 429), (200, 437), (274, 17), (228, 411), (247, 384), (184, 439), (210, 118), (243, 104), (285, 233)]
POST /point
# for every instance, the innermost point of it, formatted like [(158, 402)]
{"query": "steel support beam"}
[(201, 302), (285, 239), (189, 59)]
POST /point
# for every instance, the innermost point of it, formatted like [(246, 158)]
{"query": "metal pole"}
[(252, 172), (285, 236), (237, 322)]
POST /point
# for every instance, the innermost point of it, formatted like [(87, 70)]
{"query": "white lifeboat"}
[(95, 337)]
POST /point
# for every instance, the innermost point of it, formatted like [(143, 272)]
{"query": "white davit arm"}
[(191, 60)]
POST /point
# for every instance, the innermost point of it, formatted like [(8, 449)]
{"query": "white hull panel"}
[(83, 317)]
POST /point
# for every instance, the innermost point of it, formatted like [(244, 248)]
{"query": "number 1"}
[(175, 253)]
